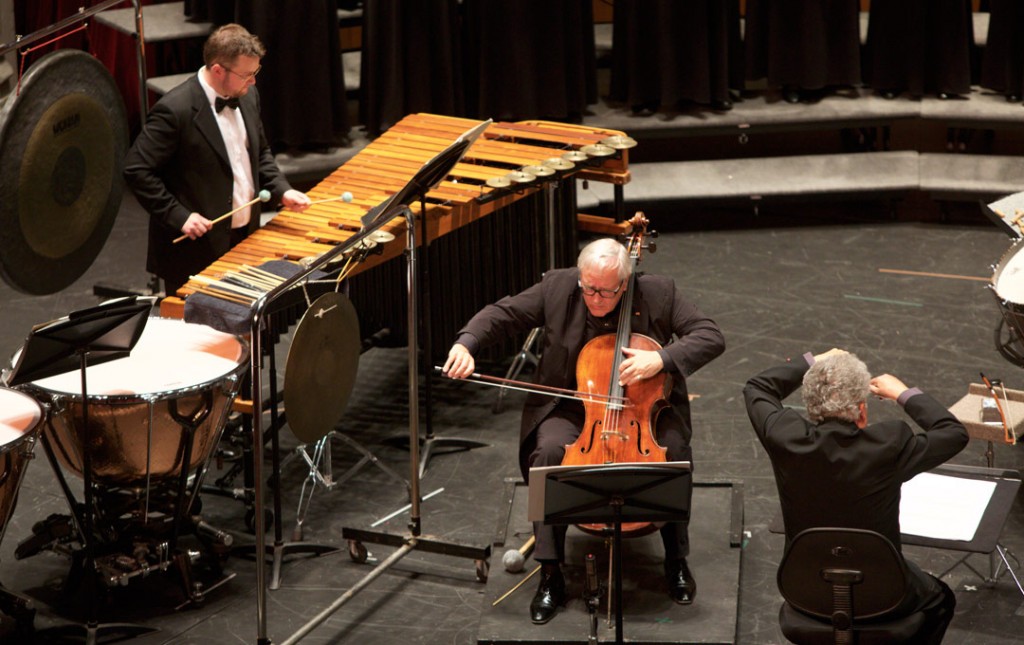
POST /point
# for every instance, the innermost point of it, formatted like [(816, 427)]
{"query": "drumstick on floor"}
[(925, 274), (264, 196)]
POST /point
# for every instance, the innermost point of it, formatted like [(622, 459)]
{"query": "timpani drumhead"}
[(63, 140), (322, 363)]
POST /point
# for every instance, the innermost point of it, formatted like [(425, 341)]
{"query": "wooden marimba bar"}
[(485, 242)]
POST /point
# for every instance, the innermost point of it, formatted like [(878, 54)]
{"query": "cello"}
[(619, 425)]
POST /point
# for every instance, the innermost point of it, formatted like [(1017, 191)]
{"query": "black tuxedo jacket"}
[(179, 165), (834, 474)]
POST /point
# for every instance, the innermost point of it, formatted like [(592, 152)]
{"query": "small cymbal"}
[(380, 237), (520, 177), (558, 163), (538, 171), (499, 182), (597, 150), (575, 156), (619, 142)]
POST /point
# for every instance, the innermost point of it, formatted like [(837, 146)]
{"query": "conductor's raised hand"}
[(460, 363), (887, 386), (196, 226)]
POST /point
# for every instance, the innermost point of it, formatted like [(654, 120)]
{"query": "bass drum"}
[(20, 419), (63, 139), (139, 406)]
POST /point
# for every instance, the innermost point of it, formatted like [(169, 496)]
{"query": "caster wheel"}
[(357, 551), (483, 569)]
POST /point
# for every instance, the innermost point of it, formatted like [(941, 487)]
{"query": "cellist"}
[(573, 306)]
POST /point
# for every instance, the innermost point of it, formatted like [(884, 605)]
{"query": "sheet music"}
[(943, 507)]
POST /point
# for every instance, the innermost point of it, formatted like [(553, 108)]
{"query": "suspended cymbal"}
[(538, 171), (619, 142), (499, 182), (597, 150), (321, 369), (575, 156), (381, 237), (558, 163), (520, 177), (63, 139)]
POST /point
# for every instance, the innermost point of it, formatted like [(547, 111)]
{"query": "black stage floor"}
[(789, 280)]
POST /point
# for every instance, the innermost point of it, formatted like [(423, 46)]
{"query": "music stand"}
[(95, 335), (612, 494), (1004, 213)]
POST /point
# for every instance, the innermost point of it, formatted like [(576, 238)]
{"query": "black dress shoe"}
[(1013, 98), (721, 106), (681, 585), (790, 95), (888, 95), (550, 595)]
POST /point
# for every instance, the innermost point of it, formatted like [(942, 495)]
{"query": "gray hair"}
[(228, 43), (835, 387), (605, 253)]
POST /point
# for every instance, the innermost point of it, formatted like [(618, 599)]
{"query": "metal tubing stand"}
[(414, 539)]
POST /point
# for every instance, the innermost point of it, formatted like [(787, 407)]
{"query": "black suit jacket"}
[(690, 338), (834, 474), (179, 165)]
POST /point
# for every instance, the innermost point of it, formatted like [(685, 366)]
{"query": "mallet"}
[(344, 197), (264, 196), (515, 559)]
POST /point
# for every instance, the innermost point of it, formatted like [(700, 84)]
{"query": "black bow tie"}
[(220, 103)]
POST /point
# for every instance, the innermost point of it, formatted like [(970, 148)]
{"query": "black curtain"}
[(803, 44), (920, 46), (665, 52), (529, 59), (1002, 67), (302, 84), (411, 61)]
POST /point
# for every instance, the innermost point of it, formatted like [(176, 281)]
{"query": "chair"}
[(839, 585)]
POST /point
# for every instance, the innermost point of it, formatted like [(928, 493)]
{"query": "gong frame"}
[(83, 14)]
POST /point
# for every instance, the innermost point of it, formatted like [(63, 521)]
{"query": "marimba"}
[(485, 241)]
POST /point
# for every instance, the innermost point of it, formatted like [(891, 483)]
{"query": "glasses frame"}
[(607, 294), (244, 77)]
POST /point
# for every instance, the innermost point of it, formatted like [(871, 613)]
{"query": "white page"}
[(943, 507)]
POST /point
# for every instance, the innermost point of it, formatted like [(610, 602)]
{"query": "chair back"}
[(830, 570)]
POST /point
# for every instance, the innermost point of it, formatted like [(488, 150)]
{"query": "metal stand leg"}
[(525, 355), (995, 565), (321, 472)]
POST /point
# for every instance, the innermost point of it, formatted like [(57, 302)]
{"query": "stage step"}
[(944, 176)]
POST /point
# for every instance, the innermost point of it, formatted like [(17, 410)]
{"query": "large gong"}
[(62, 145), (322, 363)]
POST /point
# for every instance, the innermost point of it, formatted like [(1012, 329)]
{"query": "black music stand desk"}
[(612, 494)]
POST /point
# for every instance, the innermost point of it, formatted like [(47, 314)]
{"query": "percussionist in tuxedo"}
[(833, 468), (202, 154)]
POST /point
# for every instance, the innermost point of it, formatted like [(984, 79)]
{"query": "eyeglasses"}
[(602, 293), (244, 77)]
